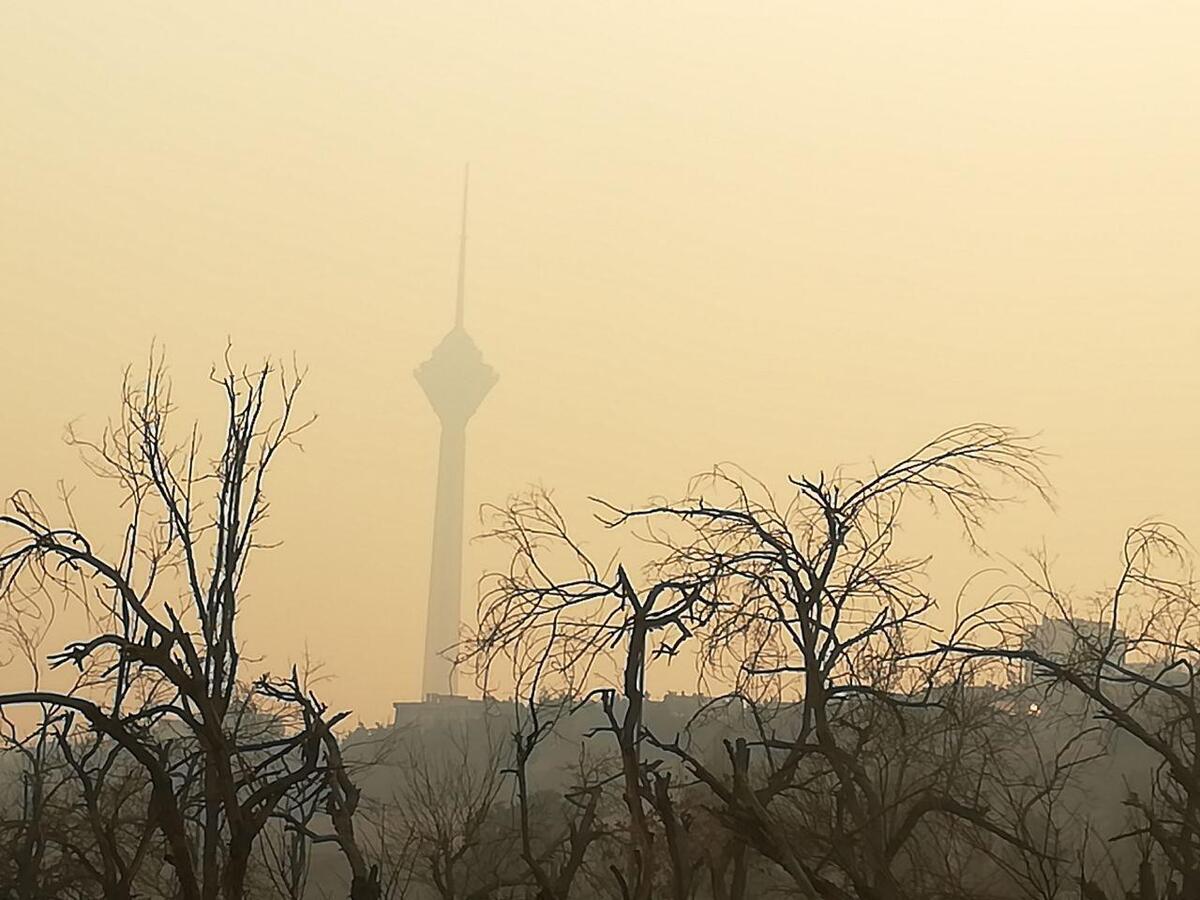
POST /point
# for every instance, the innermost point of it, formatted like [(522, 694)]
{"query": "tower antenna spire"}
[(460, 302)]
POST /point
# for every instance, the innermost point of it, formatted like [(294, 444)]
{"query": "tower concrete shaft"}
[(456, 380), (445, 571)]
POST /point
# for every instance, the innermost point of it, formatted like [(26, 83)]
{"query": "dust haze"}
[(798, 238)]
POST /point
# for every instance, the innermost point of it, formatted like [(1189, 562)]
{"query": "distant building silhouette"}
[(1075, 642), (456, 380)]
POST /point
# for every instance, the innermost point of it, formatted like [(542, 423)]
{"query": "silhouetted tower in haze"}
[(455, 379)]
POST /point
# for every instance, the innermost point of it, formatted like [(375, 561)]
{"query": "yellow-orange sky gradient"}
[(786, 234)]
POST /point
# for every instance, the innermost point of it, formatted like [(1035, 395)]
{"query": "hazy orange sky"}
[(786, 234)]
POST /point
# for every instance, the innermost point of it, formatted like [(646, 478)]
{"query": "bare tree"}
[(166, 685), (286, 846), (553, 633), (810, 613), (115, 835), (1130, 663), (29, 863), (467, 845), (379, 862), (555, 861)]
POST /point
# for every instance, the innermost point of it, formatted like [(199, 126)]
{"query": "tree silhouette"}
[(163, 678)]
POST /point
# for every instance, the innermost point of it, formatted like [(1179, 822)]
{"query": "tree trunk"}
[(233, 879), (366, 887)]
